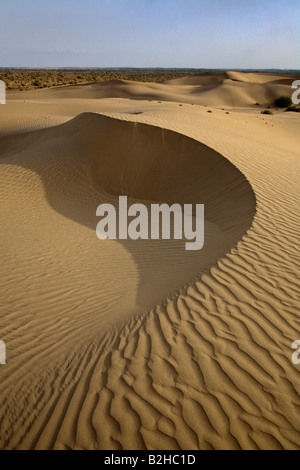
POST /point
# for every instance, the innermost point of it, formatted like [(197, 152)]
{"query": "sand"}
[(141, 344)]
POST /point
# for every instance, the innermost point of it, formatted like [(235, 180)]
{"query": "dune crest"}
[(93, 159), (220, 90)]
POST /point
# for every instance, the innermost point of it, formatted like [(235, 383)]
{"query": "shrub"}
[(283, 101), (294, 108), (266, 111)]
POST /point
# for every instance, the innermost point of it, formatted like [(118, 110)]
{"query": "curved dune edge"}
[(207, 370)]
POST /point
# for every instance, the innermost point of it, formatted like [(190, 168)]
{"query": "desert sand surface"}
[(123, 344)]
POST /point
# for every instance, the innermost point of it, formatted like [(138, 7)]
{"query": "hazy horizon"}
[(150, 34)]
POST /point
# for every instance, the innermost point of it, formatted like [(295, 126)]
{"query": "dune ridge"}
[(69, 168), (226, 89)]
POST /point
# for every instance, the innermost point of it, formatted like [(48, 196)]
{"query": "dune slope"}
[(141, 346)]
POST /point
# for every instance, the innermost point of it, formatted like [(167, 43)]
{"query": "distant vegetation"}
[(26, 79), (294, 108), (266, 111), (283, 102)]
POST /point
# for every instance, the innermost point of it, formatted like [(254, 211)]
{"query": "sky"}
[(150, 33)]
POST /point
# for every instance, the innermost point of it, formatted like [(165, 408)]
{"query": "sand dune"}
[(69, 168), (255, 77), (227, 89), (141, 344)]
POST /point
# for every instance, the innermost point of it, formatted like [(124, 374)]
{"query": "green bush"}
[(266, 111), (294, 108), (283, 101)]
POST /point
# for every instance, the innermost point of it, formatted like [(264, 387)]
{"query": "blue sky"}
[(150, 33)]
